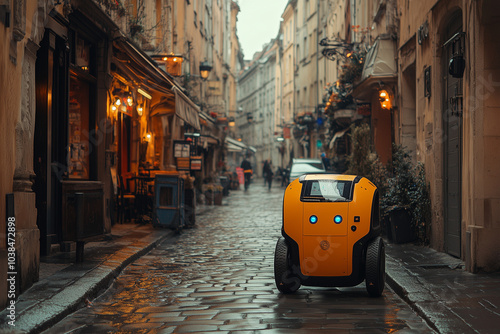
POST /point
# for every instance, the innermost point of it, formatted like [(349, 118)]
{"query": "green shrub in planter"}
[(407, 190)]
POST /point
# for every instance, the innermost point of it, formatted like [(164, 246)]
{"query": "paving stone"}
[(219, 277), (195, 328)]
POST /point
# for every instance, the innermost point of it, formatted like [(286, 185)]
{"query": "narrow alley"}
[(218, 277)]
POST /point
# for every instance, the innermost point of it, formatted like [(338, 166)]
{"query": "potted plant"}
[(406, 203), (213, 193)]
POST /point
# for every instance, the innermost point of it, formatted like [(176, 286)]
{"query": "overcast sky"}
[(258, 23)]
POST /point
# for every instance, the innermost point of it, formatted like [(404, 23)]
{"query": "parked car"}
[(303, 166)]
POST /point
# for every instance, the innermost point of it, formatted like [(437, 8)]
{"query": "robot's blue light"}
[(313, 219), (337, 219)]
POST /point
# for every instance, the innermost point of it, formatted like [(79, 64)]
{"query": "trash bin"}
[(331, 228), (224, 181), (169, 202)]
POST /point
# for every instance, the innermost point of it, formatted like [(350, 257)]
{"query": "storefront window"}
[(79, 150)]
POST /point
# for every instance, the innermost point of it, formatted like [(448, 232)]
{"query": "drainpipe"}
[(317, 73)]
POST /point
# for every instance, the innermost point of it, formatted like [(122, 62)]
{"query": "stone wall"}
[(480, 160), (19, 44)]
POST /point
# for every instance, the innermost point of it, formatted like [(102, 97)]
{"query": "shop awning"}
[(208, 139), (336, 136), (186, 109), (380, 67), (380, 60), (142, 69), (233, 145)]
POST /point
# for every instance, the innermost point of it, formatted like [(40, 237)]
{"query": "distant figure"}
[(284, 172), (326, 161), (264, 171), (268, 172), (247, 170)]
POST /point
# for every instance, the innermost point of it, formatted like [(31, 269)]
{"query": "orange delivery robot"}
[(330, 234)]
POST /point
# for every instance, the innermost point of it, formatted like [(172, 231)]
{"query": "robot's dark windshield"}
[(327, 191)]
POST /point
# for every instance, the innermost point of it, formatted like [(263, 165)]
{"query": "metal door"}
[(453, 109)]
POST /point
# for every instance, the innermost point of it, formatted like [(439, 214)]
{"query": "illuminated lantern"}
[(385, 100)]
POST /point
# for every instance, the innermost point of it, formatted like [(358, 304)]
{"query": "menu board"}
[(182, 149)]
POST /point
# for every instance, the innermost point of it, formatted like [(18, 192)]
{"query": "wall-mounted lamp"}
[(113, 111), (117, 102), (173, 63), (192, 134), (130, 100), (148, 137), (205, 69), (456, 65), (140, 111), (385, 99), (144, 93)]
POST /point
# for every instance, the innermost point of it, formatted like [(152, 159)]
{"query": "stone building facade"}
[(83, 89), (449, 83)]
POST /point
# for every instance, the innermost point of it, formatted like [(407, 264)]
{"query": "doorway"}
[(452, 145), (50, 139)]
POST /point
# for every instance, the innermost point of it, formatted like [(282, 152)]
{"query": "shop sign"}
[(364, 109), (286, 133), (196, 162), (183, 163), (241, 175), (215, 87)]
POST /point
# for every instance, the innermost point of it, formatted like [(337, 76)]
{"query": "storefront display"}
[(78, 157)]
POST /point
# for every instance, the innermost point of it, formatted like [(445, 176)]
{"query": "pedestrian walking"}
[(269, 174), (265, 168), (247, 170)]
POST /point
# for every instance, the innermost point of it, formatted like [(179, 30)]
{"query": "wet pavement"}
[(439, 289), (218, 277)]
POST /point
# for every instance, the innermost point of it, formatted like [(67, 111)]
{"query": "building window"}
[(79, 118), (305, 48), (81, 113)]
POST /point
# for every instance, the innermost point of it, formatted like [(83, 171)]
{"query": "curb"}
[(403, 292), (72, 297)]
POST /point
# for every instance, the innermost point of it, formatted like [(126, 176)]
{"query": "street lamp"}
[(205, 69), (173, 63)]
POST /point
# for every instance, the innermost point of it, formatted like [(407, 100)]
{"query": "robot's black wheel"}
[(286, 281), (375, 267)]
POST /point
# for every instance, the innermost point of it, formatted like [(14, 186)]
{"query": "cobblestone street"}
[(218, 277)]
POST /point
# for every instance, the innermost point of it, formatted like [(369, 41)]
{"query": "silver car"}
[(303, 166)]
